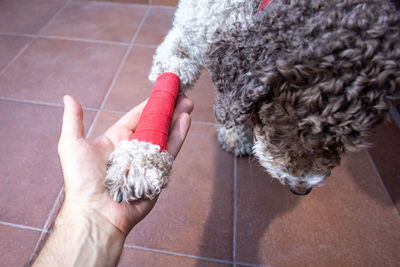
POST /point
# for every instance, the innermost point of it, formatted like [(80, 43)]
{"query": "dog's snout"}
[(299, 192)]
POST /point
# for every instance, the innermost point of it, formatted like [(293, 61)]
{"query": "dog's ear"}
[(240, 82)]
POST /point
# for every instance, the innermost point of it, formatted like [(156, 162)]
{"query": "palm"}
[(123, 215), (84, 165)]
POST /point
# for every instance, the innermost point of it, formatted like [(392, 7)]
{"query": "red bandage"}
[(263, 4), (153, 126)]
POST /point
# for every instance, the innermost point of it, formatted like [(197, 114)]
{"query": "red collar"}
[(263, 4)]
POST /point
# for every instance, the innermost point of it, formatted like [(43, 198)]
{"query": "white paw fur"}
[(137, 170), (237, 140)]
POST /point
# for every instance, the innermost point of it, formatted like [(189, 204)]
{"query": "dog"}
[(299, 82)]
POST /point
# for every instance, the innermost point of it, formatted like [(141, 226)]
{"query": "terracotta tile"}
[(104, 121), (38, 1), (190, 217), (144, 2), (49, 69), (30, 173), (96, 20), (49, 229), (165, 2), (135, 257), (385, 153), (57, 209), (156, 26), (25, 16), (194, 214), (339, 224), (10, 47), (132, 85), (203, 96), (16, 245)]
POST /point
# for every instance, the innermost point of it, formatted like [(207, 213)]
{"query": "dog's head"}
[(313, 76)]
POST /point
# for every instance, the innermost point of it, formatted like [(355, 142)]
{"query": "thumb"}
[(72, 126)]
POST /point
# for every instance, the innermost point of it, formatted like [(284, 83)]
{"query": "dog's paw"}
[(137, 170), (237, 140)]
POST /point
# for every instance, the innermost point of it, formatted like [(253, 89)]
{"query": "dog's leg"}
[(182, 50), (178, 55), (237, 140), (234, 132)]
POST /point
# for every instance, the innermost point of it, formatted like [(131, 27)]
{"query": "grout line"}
[(62, 187), (150, 3), (33, 38), (51, 20), (54, 207), (31, 102), (177, 254), (164, 6), (119, 69), (9, 64), (234, 209), (77, 39), (205, 123), (44, 231), (38, 35), (16, 57), (114, 111), (18, 34), (108, 2), (251, 265), (21, 226), (381, 181), (140, 25), (146, 46), (25, 101), (51, 212), (50, 104)]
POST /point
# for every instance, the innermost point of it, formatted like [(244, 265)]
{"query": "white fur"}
[(237, 140), (137, 170), (278, 169), (194, 25), (182, 53)]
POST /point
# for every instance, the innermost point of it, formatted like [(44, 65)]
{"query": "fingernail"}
[(118, 196)]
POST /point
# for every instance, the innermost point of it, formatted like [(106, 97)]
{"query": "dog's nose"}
[(300, 193)]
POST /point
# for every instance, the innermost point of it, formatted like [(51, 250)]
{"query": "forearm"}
[(81, 238)]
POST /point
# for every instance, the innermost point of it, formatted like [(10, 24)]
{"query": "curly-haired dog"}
[(312, 76)]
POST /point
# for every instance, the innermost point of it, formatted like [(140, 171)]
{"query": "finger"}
[(72, 127), (183, 105), (126, 124), (178, 134), (130, 119)]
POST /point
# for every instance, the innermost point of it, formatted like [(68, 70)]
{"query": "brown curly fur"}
[(315, 76)]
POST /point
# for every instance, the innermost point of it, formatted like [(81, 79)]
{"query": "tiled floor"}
[(218, 210)]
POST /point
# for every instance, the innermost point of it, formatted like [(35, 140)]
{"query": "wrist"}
[(82, 237), (80, 215), (87, 219)]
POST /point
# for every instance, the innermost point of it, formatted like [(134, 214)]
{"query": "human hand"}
[(84, 163)]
